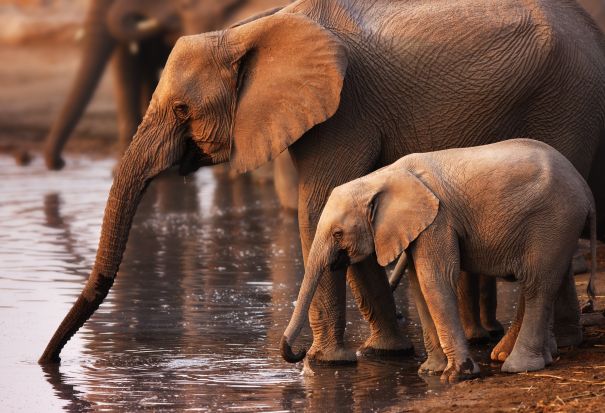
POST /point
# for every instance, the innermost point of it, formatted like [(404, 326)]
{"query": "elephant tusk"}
[(147, 25), (397, 273), (79, 34), (133, 47)]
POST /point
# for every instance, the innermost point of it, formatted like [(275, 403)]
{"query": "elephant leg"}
[(372, 292), (127, 72), (488, 303), (531, 350), (438, 282), (567, 327), (436, 361), (506, 344), (468, 307), (285, 179)]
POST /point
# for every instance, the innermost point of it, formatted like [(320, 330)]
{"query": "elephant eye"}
[(337, 234), (181, 110)]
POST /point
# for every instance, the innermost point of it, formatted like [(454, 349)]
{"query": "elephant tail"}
[(592, 218)]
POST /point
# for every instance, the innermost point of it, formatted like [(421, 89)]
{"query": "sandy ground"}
[(34, 80)]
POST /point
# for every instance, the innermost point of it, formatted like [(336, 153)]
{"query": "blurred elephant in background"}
[(348, 88), (138, 35)]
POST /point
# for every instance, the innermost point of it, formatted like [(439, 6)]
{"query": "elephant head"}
[(241, 95), (137, 20), (382, 213)]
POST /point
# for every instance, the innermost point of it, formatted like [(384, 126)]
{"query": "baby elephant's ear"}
[(400, 210)]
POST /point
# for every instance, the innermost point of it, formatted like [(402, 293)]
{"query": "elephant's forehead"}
[(338, 208)]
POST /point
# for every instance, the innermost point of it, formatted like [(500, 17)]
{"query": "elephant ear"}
[(290, 76), (400, 209)]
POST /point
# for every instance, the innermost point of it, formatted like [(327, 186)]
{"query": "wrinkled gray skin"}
[(512, 209), (349, 86)]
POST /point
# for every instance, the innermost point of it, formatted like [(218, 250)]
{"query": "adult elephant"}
[(349, 86)]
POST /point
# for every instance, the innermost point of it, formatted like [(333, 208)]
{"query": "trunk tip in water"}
[(287, 354)]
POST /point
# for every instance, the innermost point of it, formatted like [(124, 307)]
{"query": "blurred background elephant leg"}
[(286, 181), (374, 298), (127, 80), (468, 307), (97, 48), (567, 327), (488, 304), (436, 360)]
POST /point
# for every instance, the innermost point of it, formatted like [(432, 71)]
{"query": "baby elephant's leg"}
[(436, 361), (469, 309), (373, 295), (531, 351), (437, 265), (567, 327)]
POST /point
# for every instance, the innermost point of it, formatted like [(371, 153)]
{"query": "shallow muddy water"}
[(194, 319)]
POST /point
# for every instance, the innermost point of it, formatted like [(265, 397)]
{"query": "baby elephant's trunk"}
[(315, 268)]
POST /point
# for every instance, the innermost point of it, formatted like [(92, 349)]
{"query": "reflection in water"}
[(203, 295)]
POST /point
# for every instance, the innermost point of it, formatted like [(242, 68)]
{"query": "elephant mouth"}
[(341, 262), (193, 159)]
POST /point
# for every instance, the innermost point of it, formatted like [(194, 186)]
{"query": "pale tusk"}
[(149, 24), (79, 34), (133, 47), (397, 273)]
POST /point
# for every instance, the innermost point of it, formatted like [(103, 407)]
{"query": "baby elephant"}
[(513, 209)]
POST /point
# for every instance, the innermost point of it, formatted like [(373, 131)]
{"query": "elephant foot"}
[(476, 334), (521, 360), (54, 162), (332, 356), (494, 329), (505, 345), (434, 364), (385, 353), (455, 372), (392, 346)]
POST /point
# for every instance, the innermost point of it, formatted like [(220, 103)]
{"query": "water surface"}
[(194, 319)]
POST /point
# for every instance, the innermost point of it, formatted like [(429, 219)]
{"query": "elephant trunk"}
[(317, 264), (139, 165), (97, 50)]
